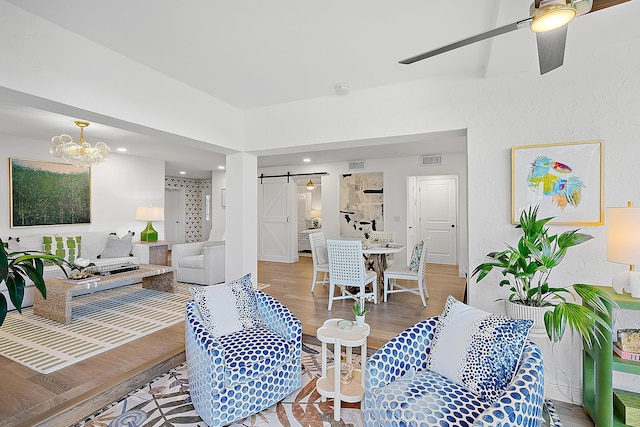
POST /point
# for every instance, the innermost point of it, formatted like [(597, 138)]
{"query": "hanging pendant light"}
[(310, 185), (79, 153)]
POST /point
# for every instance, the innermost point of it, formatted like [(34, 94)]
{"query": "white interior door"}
[(277, 209), (174, 214), (438, 217)]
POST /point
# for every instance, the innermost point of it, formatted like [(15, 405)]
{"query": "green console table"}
[(598, 365)]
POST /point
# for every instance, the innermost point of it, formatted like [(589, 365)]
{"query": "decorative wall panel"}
[(193, 204)]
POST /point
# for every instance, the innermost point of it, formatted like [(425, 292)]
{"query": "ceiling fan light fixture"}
[(551, 18)]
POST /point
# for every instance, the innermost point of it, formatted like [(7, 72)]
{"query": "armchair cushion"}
[(427, 398), (193, 261), (252, 353), (476, 349), (229, 307)]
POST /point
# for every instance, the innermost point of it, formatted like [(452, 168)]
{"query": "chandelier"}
[(79, 153)]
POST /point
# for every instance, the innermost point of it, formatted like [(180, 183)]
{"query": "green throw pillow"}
[(65, 247)]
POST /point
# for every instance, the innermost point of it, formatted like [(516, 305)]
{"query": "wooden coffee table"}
[(57, 306)]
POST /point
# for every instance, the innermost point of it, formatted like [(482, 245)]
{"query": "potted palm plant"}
[(16, 267), (526, 268)]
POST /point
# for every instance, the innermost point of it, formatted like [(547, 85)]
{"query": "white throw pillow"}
[(228, 307), (477, 350)]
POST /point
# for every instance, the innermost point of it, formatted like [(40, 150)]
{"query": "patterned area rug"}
[(101, 321), (166, 402)]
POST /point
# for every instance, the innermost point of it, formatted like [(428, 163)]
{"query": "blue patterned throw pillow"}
[(477, 350), (229, 307), (414, 264)]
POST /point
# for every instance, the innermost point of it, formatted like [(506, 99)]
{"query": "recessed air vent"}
[(431, 160), (356, 165)]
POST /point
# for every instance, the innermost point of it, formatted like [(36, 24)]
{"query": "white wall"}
[(51, 62), (595, 95), (218, 212), (118, 186), (396, 171)]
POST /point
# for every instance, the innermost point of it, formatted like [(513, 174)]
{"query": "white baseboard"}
[(563, 393)]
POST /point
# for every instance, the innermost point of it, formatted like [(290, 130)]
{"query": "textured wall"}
[(193, 205)]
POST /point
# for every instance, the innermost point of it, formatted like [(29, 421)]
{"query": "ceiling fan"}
[(547, 18)]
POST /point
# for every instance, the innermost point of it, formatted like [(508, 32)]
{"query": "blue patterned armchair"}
[(236, 375), (401, 390)]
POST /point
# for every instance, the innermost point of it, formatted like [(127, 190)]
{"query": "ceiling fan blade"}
[(464, 42), (551, 48), (603, 4)]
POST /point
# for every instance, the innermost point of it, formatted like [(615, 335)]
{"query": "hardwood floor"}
[(291, 285), (67, 396)]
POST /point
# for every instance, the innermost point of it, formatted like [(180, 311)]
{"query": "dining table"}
[(378, 255)]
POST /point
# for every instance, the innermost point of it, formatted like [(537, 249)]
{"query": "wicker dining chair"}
[(320, 259), (416, 272), (346, 269)]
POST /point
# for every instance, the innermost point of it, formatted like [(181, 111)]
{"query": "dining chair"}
[(406, 272), (383, 236), (346, 269), (320, 258)]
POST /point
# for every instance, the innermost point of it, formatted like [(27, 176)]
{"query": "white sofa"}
[(199, 262), (93, 243)]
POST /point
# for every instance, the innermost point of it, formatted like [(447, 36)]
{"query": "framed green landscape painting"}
[(48, 193)]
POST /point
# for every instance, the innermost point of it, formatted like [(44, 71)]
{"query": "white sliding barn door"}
[(277, 213)]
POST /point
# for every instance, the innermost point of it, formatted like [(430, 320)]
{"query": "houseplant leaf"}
[(527, 268)]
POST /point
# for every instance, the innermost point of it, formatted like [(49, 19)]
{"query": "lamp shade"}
[(149, 213), (623, 235), (316, 213)]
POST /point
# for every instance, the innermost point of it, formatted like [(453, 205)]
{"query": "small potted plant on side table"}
[(359, 310)]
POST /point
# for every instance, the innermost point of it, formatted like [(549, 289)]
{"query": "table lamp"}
[(623, 246), (149, 214)]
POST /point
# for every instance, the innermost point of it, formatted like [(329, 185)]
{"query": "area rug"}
[(101, 321), (166, 402)]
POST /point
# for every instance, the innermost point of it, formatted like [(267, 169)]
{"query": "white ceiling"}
[(252, 54)]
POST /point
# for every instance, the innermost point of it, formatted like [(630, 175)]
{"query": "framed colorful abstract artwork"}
[(47, 193), (565, 180)]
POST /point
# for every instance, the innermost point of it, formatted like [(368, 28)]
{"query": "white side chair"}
[(320, 259), (346, 268), (200, 262), (404, 272)]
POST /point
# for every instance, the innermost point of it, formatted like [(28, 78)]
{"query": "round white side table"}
[(328, 385)]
